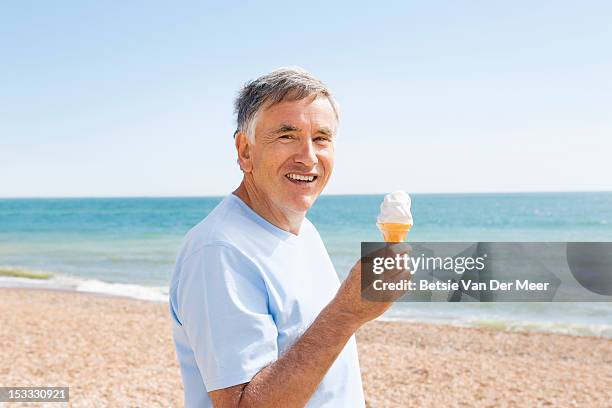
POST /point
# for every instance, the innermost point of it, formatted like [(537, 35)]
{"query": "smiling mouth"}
[(300, 179)]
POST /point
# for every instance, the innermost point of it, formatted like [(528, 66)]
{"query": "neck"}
[(284, 219)]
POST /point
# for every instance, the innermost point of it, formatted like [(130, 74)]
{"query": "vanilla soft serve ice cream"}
[(395, 217), (395, 209)]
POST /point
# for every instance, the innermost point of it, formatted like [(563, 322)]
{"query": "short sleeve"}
[(223, 307)]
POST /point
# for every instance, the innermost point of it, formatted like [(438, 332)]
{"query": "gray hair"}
[(283, 84)]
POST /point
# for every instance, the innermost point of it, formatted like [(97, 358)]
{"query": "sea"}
[(127, 246)]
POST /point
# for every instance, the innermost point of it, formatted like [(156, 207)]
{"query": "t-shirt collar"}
[(279, 232)]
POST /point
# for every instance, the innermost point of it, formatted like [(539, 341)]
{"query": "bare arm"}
[(292, 379)]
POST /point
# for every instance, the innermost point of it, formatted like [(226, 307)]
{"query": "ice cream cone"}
[(394, 232)]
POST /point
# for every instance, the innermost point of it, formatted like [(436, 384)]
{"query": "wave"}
[(151, 293), (71, 283), (577, 329), (574, 329), (160, 294)]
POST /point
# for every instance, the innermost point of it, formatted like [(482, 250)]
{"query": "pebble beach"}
[(115, 351)]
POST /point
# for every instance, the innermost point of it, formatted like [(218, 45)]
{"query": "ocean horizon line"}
[(322, 195)]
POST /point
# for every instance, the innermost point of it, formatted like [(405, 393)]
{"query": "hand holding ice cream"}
[(395, 218)]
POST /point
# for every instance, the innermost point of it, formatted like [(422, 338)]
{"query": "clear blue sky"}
[(103, 98)]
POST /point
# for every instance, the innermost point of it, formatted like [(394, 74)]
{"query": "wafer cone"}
[(394, 232)]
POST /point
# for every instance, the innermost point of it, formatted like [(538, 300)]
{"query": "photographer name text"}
[(466, 285)]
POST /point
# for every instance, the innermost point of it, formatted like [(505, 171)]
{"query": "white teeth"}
[(300, 177)]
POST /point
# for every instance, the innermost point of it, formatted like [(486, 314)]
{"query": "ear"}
[(243, 148)]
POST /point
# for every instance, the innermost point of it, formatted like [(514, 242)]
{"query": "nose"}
[(307, 154)]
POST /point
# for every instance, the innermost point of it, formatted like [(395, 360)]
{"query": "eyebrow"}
[(283, 128), (326, 131)]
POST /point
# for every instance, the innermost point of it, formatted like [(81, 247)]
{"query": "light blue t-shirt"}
[(243, 291)]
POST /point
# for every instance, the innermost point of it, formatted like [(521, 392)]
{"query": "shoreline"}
[(78, 292), (159, 295), (120, 351), (398, 320)]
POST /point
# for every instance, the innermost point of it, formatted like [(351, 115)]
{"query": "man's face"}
[(294, 140)]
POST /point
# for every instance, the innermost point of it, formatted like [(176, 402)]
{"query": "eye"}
[(322, 139), (285, 137)]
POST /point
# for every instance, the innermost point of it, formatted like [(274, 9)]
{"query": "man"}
[(259, 316)]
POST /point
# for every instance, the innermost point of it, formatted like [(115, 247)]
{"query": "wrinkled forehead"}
[(315, 112)]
